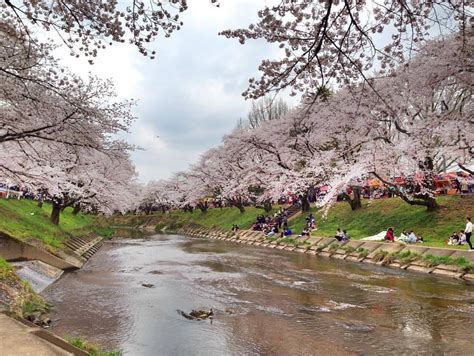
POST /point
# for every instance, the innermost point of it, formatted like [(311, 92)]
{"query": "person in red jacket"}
[(389, 235)]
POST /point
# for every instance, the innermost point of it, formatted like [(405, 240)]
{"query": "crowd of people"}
[(272, 223), (278, 225)]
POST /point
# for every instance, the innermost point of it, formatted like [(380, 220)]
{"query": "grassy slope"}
[(373, 218), (223, 218), (23, 219), (381, 214)]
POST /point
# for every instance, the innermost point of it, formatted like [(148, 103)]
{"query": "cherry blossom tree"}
[(340, 41), (322, 40), (51, 121), (417, 114), (88, 26)]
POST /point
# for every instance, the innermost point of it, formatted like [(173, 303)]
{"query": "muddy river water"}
[(266, 302)]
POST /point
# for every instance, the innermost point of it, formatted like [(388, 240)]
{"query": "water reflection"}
[(266, 302)]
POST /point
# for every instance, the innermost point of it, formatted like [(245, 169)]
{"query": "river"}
[(266, 302)]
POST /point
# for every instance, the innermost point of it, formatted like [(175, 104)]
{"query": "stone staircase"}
[(85, 246)]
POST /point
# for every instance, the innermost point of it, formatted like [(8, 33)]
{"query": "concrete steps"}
[(85, 246)]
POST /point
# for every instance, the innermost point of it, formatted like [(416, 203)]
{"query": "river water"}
[(266, 302)]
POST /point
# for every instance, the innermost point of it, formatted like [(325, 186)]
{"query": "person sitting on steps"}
[(345, 236), (389, 235)]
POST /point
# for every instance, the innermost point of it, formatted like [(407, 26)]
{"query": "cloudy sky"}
[(190, 95)]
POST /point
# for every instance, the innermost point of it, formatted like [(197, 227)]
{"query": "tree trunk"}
[(305, 206), (267, 206), (55, 213), (431, 204), (76, 210), (354, 202), (421, 199), (240, 207), (237, 203), (203, 206)]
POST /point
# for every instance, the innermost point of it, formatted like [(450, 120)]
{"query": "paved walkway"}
[(17, 339)]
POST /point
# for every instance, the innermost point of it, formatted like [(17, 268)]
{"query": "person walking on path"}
[(468, 232)]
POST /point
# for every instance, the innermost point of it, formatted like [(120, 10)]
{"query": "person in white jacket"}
[(468, 232)]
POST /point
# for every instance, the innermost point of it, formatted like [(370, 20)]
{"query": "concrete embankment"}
[(20, 337), (12, 249), (417, 258), (39, 268)]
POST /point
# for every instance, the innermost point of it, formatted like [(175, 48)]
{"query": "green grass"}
[(407, 257), (22, 219), (271, 239), (363, 252), (287, 240), (92, 349), (334, 247), (380, 255), (223, 218), (461, 262), (5, 268), (33, 302), (383, 213), (404, 257), (348, 249)]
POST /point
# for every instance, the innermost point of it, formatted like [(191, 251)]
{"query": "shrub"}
[(460, 262), (175, 225), (334, 247), (463, 264), (33, 303), (389, 259), (348, 249), (433, 261), (363, 253), (321, 247), (406, 257), (380, 255)]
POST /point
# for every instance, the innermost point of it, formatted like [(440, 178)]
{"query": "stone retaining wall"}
[(12, 250), (354, 250)]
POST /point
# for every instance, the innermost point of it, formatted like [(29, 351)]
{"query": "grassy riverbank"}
[(24, 220), (374, 217), (223, 218), (378, 215), (18, 295)]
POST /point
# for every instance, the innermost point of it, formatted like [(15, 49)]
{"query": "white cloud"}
[(190, 95)]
